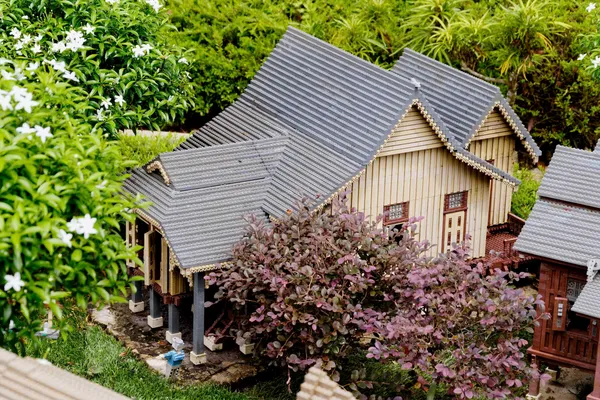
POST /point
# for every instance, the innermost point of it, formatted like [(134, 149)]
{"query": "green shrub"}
[(232, 38), (60, 207), (142, 149), (113, 49), (525, 197)]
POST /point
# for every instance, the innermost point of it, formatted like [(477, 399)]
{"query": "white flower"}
[(99, 115), (138, 51), (11, 325), (7, 76), (119, 100), (596, 62), (36, 48), (25, 129), (112, 1), (59, 47), (19, 74), (24, 17), (57, 65), (89, 29), (591, 7), (33, 66), (154, 4), (38, 38), (102, 185), (70, 75), (74, 35), (183, 60), (5, 102), (74, 40), (106, 103), (15, 33), (23, 98), (73, 225), (14, 282), (146, 47), (83, 226), (42, 133), (26, 39), (65, 237), (5, 61)]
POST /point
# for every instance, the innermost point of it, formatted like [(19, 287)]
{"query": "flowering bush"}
[(110, 48), (60, 206), (320, 286)]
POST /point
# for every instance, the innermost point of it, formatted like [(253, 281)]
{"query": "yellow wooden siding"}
[(494, 126), (413, 134), (423, 178), (177, 284), (501, 149), (164, 265)]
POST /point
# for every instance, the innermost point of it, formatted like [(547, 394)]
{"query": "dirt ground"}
[(228, 366), (570, 383)]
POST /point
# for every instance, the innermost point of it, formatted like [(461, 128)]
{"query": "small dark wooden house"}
[(420, 140), (563, 232)]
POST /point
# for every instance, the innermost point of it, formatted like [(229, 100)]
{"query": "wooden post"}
[(198, 356), (173, 320), (595, 395), (136, 303), (155, 319), (534, 385)]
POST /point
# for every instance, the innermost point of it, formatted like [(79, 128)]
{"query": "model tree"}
[(318, 286)]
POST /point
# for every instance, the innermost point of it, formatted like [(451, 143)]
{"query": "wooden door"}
[(454, 228), (150, 257)]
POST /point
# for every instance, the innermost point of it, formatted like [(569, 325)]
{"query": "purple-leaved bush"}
[(318, 286)]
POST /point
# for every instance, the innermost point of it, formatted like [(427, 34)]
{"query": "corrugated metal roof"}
[(573, 176), (202, 213), (561, 232), (588, 302), (461, 99)]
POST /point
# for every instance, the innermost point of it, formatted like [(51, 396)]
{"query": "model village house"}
[(563, 232), (422, 139)]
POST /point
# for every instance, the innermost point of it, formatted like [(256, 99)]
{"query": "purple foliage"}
[(318, 286)]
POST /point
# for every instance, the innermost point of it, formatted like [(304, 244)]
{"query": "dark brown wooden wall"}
[(577, 346)]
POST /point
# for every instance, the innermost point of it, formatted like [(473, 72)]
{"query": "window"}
[(455, 201), (395, 213), (575, 322)]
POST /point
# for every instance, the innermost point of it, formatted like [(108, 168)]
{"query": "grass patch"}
[(142, 149), (525, 197), (92, 353)]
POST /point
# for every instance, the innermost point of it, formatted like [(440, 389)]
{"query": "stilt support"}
[(174, 330), (155, 319), (198, 356), (136, 303)]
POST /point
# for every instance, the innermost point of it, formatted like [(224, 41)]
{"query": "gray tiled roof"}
[(203, 219), (561, 232), (564, 224), (461, 99), (588, 302), (337, 108), (573, 176)]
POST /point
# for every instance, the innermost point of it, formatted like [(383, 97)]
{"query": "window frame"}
[(405, 213), (462, 207)]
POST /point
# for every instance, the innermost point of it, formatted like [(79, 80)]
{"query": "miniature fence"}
[(318, 386)]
